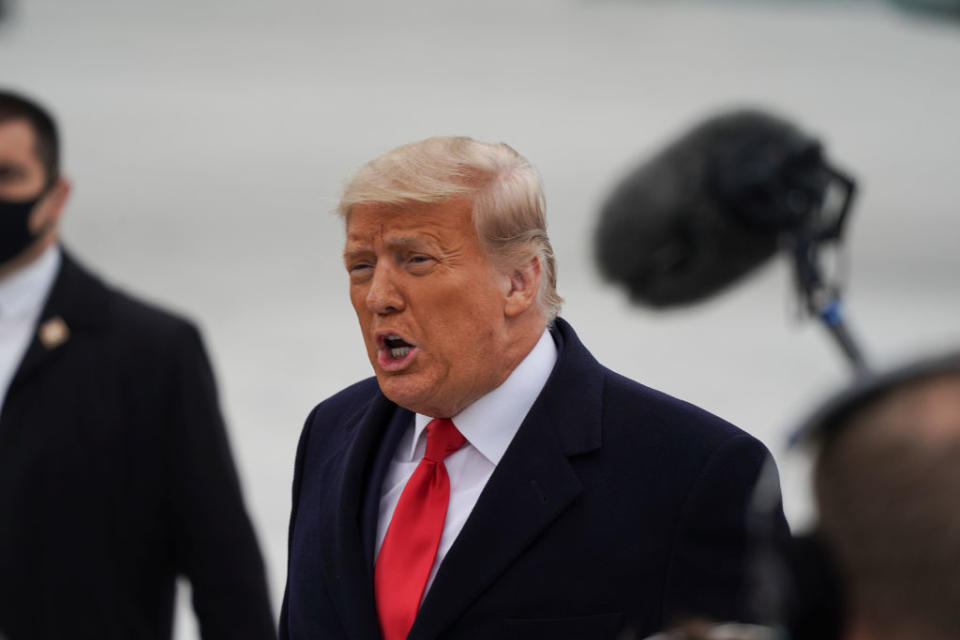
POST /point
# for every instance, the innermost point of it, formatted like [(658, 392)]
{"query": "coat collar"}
[(78, 303), (533, 484)]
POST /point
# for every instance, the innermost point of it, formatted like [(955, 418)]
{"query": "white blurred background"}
[(208, 140)]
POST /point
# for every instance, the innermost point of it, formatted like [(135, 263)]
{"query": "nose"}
[(384, 296)]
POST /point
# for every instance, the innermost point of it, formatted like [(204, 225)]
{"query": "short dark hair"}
[(887, 481), (14, 106)]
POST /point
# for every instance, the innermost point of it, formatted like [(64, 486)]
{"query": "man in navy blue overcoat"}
[(582, 503)]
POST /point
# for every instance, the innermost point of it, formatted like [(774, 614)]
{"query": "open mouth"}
[(397, 347), (393, 352)]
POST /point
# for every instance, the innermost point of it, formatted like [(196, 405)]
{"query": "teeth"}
[(399, 352)]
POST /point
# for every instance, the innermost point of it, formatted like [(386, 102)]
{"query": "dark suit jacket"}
[(116, 476), (615, 505)]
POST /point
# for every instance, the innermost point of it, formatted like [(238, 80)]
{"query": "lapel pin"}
[(54, 332)]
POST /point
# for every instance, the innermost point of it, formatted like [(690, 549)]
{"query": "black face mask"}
[(15, 234)]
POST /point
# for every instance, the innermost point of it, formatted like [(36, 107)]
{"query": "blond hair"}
[(509, 209)]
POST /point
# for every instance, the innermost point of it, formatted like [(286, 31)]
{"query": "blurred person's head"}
[(32, 191), (451, 271), (887, 482)]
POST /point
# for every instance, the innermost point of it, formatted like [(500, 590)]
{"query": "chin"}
[(400, 391)]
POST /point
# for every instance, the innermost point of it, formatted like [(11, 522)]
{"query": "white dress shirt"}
[(22, 296), (489, 425)]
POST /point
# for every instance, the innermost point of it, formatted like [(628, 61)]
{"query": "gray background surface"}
[(208, 140)]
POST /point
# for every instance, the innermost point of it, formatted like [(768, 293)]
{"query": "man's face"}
[(23, 178), (22, 175), (430, 304)]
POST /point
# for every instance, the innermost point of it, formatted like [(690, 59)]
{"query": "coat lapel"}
[(386, 447), (345, 562), (77, 302), (530, 488)]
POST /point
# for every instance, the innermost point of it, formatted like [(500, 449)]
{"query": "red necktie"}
[(410, 544)]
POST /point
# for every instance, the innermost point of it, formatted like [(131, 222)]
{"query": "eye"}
[(9, 173), (419, 263), (359, 270)]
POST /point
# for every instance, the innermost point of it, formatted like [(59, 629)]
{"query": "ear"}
[(524, 283), (58, 197)]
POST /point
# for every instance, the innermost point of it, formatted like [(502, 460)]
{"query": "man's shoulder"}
[(117, 311), (137, 332), (640, 412), (626, 397), (687, 438), (133, 312)]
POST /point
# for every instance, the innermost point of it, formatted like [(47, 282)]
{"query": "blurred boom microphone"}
[(718, 203), (709, 208)]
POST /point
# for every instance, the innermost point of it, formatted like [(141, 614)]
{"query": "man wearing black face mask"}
[(115, 471)]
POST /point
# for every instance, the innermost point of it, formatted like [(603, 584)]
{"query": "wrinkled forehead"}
[(407, 208), (450, 216)]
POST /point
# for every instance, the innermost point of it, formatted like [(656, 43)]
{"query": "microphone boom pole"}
[(822, 299), (824, 302)]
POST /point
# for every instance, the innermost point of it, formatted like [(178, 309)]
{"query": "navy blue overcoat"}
[(614, 506)]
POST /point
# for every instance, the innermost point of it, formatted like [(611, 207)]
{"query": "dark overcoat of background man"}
[(494, 480), (115, 471)]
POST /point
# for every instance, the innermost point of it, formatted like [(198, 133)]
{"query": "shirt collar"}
[(23, 292), (490, 423)]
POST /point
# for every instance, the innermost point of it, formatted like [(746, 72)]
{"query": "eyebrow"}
[(355, 253), (406, 241), (398, 241)]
